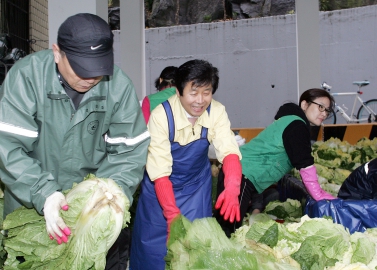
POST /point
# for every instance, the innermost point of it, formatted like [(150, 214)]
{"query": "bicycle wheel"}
[(331, 119), (363, 113)]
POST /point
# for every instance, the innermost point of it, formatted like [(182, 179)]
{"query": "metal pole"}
[(308, 45)]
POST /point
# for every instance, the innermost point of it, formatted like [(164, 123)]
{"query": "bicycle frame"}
[(351, 118)]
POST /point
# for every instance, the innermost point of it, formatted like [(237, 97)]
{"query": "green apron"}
[(264, 159)]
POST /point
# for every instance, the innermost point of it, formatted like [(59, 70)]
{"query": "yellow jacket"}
[(159, 161)]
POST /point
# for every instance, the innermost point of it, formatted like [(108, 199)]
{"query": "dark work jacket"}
[(359, 185)]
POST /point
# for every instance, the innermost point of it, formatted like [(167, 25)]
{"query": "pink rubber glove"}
[(56, 228), (228, 199), (310, 180), (165, 196)]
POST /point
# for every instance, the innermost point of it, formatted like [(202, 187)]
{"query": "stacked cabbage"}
[(202, 244), (336, 159), (98, 210), (312, 243)]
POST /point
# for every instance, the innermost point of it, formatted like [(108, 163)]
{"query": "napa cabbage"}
[(311, 243), (202, 244), (98, 210), (288, 210), (335, 160), (314, 243)]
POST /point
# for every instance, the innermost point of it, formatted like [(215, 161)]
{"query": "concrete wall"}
[(258, 63), (39, 24), (255, 54), (59, 11), (348, 51)]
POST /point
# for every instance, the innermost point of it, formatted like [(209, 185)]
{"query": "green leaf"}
[(21, 217), (178, 228), (258, 230), (364, 251), (270, 238)]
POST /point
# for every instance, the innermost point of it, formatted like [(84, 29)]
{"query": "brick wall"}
[(39, 24)]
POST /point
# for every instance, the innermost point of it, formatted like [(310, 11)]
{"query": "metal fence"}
[(16, 22)]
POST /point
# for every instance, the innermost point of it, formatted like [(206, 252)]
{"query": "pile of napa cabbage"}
[(336, 159), (98, 210), (314, 244)]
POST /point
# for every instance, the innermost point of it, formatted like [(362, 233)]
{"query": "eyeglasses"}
[(322, 108)]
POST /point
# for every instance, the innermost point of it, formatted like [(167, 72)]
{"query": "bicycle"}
[(366, 112)]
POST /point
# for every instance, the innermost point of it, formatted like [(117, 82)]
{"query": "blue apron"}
[(192, 184)]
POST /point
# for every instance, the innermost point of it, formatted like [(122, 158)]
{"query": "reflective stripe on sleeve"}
[(126, 141), (366, 167), (18, 130)]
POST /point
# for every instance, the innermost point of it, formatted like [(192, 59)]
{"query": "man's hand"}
[(55, 225), (165, 196), (228, 202)]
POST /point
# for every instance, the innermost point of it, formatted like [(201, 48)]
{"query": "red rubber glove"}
[(165, 196), (310, 180), (146, 109), (228, 199)]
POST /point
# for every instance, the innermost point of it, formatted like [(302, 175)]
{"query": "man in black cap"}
[(65, 113)]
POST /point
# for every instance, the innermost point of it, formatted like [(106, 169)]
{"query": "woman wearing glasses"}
[(282, 145)]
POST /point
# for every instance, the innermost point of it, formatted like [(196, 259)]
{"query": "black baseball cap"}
[(87, 41)]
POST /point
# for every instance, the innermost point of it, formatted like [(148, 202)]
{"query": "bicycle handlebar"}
[(360, 84), (325, 86)]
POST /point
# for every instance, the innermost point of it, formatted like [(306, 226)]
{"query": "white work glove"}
[(240, 141), (56, 228)]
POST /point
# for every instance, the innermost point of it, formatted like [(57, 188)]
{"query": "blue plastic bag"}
[(356, 215)]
